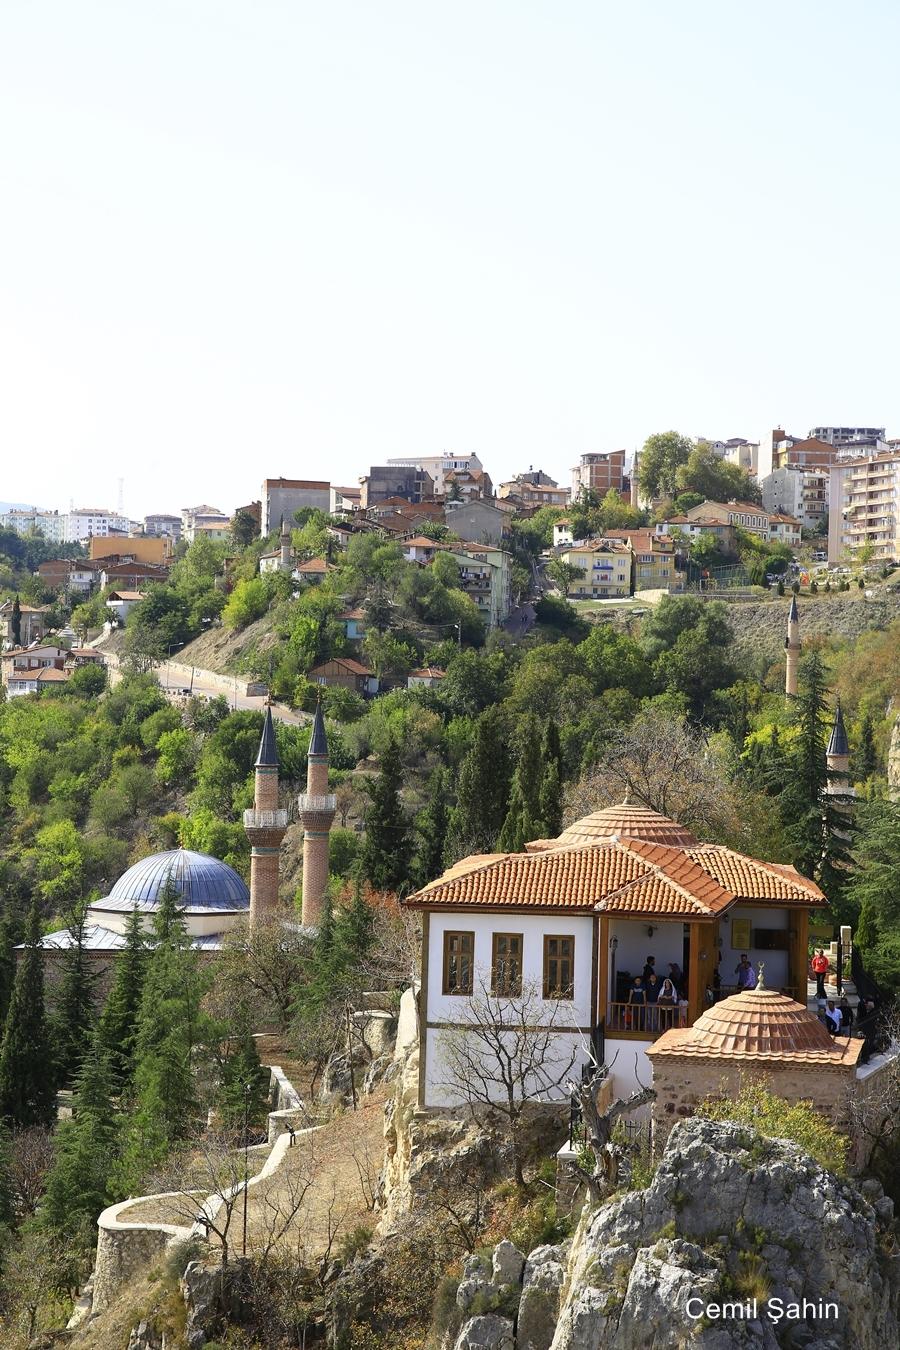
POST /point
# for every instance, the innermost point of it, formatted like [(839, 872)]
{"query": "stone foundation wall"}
[(125, 1250)]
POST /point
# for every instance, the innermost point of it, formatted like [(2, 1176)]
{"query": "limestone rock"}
[(545, 1271), (507, 1264), (201, 1288), (145, 1337), (893, 764), (488, 1332)]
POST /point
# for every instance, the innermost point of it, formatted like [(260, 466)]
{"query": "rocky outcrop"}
[(730, 1218), (893, 764)]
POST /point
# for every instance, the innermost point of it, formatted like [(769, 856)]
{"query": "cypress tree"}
[(874, 891), (550, 801), (244, 1084), (386, 851), (79, 1185), (807, 771), (9, 936), (866, 757), (73, 1017), (16, 621), (7, 1198), (27, 1092), (117, 1027), (431, 829), (522, 820), (483, 786)]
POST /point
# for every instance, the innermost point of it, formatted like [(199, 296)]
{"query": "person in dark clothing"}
[(649, 968), (637, 999), (846, 1017)]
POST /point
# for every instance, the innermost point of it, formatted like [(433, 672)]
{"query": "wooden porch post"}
[(798, 956), (603, 971), (704, 949)]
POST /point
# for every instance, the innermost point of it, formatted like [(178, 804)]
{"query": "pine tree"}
[(7, 1196), (244, 1084), (431, 829), (550, 801), (117, 1027), (482, 791), (27, 1092), (522, 820), (9, 936), (73, 1017), (807, 770), (386, 851), (873, 891), (866, 757), (80, 1184)]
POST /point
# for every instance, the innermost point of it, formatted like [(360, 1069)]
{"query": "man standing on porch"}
[(746, 975)]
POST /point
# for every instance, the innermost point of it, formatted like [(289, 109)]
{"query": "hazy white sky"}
[(281, 237)]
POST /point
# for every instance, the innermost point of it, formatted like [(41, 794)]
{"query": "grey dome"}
[(204, 883)]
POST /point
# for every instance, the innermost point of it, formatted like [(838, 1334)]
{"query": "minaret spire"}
[(837, 756), (266, 825), (792, 650), (317, 807)]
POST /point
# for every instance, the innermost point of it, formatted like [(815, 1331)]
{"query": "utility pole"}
[(247, 1089)]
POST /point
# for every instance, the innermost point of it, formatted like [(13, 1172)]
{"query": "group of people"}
[(656, 1003), (838, 1017)]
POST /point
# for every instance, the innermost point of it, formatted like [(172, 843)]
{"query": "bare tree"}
[(31, 1158), (205, 1180), (603, 1177), (260, 968), (874, 1115), (507, 1056), (660, 762)]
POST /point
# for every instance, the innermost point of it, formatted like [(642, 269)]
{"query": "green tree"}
[(661, 456), (564, 575), (865, 761), (387, 846), (431, 828), (117, 1027), (550, 799), (79, 1184), (9, 937), (522, 821), (717, 479), (27, 1095), (243, 529), (72, 1021), (244, 1083), (16, 622), (873, 890), (482, 791)]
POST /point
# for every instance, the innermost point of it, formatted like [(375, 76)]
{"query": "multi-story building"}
[(156, 549), (809, 453), (532, 496), (606, 568), (680, 527), (600, 472), (864, 507), (736, 450), (31, 520), (163, 524), (799, 492), (408, 481), (468, 484), (864, 437), (771, 527), (91, 522), (438, 466), (68, 575), (654, 559), (284, 496), (477, 521), (485, 575), (204, 521), (343, 499), (32, 622)]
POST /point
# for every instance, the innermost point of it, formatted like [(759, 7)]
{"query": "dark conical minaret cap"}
[(318, 741), (793, 612), (268, 754), (838, 743)]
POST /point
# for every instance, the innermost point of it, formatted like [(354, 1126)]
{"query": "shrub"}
[(774, 1118)]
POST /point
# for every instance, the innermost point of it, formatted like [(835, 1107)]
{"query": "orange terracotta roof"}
[(420, 541), (751, 879), (50, 675), (429, 673), (567, 879), (626, 821), (760, 1025), (315, 565)]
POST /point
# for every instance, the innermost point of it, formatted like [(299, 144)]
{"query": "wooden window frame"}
[(449, 934), (556, 993), (511, 988)]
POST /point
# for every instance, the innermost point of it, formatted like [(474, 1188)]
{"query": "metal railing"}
[(266, 820), (309, 802), (650, 1019)]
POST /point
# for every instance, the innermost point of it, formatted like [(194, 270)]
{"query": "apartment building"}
[(385, 481), (770, 526), (438, 466), (163, 524), (850, 436), (283, 496), (654, 559), (31, 520), (863, 507), (486, 576), (532, 496), (598, 472), (606, 568), (737, 450), (91, 522), (797, 491), (204, 521)]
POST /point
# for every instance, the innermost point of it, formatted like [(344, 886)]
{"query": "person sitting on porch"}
[(832, 1017), (746, 975), (637, 999), (668, 1002)]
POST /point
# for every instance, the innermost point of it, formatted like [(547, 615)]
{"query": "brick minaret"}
[(266, 825), (792, 650), (317, 812), (285, 562)]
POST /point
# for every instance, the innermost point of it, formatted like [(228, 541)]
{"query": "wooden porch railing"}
[(649, 1020)]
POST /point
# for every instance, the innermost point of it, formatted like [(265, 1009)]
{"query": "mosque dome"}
[(204, 883), (758, 1022), (626, 822)]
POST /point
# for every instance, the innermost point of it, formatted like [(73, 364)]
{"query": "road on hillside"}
[(236, 700)]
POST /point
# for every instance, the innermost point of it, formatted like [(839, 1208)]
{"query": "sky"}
[(240, 240)]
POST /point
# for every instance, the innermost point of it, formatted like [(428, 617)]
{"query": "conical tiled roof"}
[(838, 743), (625, 821), (318, 741), (268, 754)]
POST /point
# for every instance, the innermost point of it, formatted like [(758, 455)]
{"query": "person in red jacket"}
[(820, 970)]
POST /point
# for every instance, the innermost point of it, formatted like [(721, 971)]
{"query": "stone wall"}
[(125, 1250)]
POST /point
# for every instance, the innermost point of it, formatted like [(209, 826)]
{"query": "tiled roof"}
[(759, 1025), (347, 662), (315, 565), (597, 866), (429, 673), (50, 675)]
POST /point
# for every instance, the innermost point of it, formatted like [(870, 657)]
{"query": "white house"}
[(121, 603), (572, 922)]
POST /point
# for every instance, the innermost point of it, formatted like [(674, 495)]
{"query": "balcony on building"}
[(267, 820), (312, 803)]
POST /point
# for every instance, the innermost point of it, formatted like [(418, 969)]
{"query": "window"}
[(459, 953), (506, 964), (559, 967)]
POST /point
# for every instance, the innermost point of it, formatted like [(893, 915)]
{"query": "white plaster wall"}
[(452, 1007), (568, 1052), (666, 944), (776, 963), (632, 1069)]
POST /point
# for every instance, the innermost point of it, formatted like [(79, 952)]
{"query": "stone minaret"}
[(285, 562), (792, 650), (838, 759), (266, 825), (317, 812)]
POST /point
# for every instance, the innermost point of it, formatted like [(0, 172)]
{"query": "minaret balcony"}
[(311, 804), (266, 820)]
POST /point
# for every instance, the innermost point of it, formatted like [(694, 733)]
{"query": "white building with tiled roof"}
[(575, 920)]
